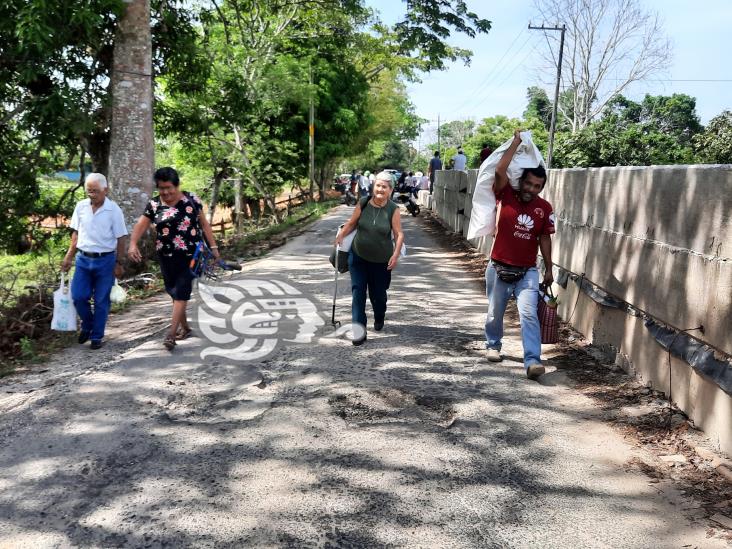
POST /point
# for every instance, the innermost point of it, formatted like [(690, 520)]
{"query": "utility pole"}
[(553, 125), (311, 139)]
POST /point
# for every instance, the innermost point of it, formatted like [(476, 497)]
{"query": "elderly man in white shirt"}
[(98, 241)]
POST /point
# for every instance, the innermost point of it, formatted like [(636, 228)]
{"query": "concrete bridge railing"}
[(643, 253)]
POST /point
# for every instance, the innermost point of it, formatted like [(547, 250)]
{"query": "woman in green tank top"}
[(373, 254)]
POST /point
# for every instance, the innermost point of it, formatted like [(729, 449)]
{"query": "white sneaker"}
[(494, 355), (534, 371)]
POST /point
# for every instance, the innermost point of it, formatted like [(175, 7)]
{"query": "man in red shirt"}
[(524, 226), (485, 152)]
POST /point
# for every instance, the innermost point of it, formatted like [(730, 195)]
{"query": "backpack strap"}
[(363, 202)]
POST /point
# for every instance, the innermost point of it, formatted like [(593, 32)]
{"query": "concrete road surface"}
[(411, 440)]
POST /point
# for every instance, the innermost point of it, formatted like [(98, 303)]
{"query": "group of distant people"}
[(458, 162), (361, 183), (413, 182)]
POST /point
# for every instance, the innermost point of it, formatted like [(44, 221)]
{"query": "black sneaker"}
[(83, 336), (97, 344), (378, 325)]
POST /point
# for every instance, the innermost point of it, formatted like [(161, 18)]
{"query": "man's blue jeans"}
[(371, 277), (526, 291), (93, 278)]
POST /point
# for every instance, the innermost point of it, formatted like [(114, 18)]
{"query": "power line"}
[(495, 75), (677, 80), (498, 64), (492, 73), (489, 89), (517, 66), (498, 85)]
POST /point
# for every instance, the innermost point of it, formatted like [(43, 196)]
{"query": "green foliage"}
[(422, 32), (389, 122), (27, 348), (53, 57), (455, 133), (232, 87), (714, 145), (396, 155), (496, 130), (659, 130), (54, 77), (539, 106)]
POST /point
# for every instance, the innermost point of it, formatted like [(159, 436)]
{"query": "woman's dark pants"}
[(371, 277)]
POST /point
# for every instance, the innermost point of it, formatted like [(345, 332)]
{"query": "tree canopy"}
[(234, 80)]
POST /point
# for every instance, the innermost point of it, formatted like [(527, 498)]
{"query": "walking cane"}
[(335, 323)]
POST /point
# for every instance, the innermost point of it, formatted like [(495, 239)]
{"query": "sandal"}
[(169, 342), (183, 333)]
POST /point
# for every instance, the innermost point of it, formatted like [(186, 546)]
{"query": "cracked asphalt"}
[(413, 439)]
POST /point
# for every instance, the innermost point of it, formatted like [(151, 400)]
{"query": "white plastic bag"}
[(483, 215), (64, 313), (347, 240), (118, 294)]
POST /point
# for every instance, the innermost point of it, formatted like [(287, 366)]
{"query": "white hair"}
[(385, 176), (98, 177)]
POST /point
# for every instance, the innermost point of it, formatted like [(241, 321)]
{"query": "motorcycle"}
[(349, 199), (403, 195)]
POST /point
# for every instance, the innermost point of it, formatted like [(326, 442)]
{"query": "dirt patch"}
[(391, 406)]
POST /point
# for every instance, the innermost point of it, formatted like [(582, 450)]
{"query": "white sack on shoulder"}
[(483, 215)]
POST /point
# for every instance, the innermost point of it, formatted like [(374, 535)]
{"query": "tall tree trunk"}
[(269, 200), (215, 189), (131, 157)]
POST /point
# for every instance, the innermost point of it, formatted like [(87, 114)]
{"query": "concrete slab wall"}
[(659, 238)]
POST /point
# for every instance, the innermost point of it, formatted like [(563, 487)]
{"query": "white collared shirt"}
[(460, 162), (98, 231)]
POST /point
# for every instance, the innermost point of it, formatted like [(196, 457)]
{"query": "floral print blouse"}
[(178, 230)]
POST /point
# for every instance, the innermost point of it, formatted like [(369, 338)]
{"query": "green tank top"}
[(373, 239)]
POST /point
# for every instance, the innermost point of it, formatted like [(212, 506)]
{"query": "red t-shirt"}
[(518, 228)]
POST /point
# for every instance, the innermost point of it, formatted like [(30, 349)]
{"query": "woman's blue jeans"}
[(526, 291), (373, 278)]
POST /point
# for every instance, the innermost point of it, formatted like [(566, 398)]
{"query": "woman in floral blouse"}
[(179, 225)]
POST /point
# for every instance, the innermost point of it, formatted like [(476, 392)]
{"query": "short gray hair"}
[(385, 176), (98, 177)]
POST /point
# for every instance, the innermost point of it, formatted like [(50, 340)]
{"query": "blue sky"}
[(503, 64)]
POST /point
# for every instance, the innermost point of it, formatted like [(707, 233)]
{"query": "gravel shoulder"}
[(413, 439)]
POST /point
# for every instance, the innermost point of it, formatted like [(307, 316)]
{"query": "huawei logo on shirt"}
[(524, 222)]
